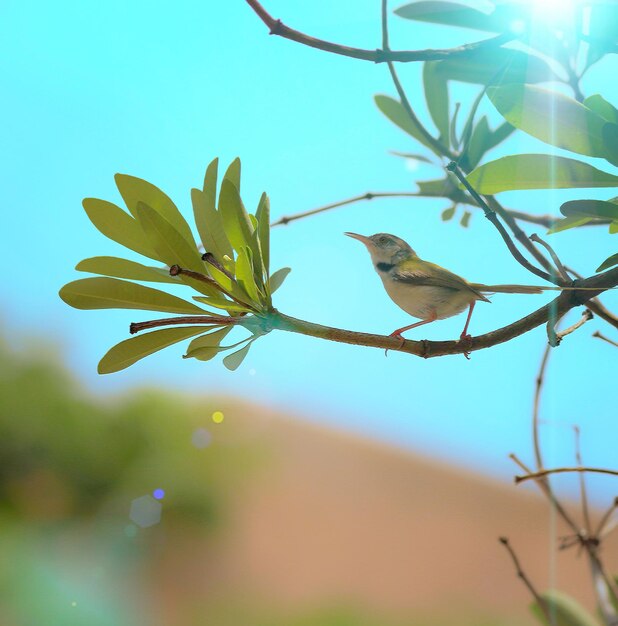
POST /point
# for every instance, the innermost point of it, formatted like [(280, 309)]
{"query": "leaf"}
[(172, 247), (207, 346), (453, 130), (213, 234), (221, 303), (122, 268), (465, 219), (610, 142), (263, 229), (244, 275), (613, 228), (409, 155), (128, 352), (479, 142), (447, 214), (436, 96), (564, 610), (572, 221), (609, 262), (276, 280), (233, 361), (551, 117), (134, 190), (497, 66), (116, 224), (537, 171), (591, 208), (236, 222), (441, 188), (233, 173), (111, 293), (602, 107), (500, 134), (449, 14), (396, 113)]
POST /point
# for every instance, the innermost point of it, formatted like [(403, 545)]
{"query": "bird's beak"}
[(361, 238)]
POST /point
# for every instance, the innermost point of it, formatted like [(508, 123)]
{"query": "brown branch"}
[(552, 253), (582, 482), (595, 305), (277, 27), (527, 582), (606, 517), (564, 470), (604, 338), (586, 316), (216, 320), (540, 379)]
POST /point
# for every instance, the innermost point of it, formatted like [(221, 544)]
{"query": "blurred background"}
[(319, 484)]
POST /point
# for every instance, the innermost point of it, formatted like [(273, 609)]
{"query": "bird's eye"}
[(383, 240)]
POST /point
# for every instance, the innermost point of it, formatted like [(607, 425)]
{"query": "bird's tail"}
[(525, 288)]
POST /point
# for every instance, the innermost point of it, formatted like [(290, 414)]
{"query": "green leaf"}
[(479, 142), (551, 117), (436, 96), (233, 173), (221, 303), (233, 361), (122, 268), (500, 134), (111, 293), (602, 107), (135, 190), (465, 219), (564, 611), (591, 208), (572, 221), (212, 232), (172, 247), (613, 228), (207, 346), (276, 280), (244, 275), (396, 113), (447, 214), (537, 171), (236, 222), (449, 14), (229, 285), (441, 188), (263, 229), (495, 66), (610, 142), (128, 352), (410, 155), (609, 262), (120, 227)]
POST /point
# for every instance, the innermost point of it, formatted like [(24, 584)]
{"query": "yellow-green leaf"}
[(207, 346), (263, 228), (537, 171), (602, 209), (436, 96), (276, 280), (244, 275), (211, 230), (563, 609), (123, 268), (128, 352), (233, 361), (235, 219), (222, 303), (609, 262), (116, 224), (233, 173), (602, 107), (573, 221), (111, 293), (135, 190)]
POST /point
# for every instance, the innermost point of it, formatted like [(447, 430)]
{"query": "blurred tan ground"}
[(332, 518)]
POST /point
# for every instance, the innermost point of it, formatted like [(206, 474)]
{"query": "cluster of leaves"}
[(510, 79), (230, 274)]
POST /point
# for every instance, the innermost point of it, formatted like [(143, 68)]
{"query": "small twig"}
[(582, 482), (605, 518), (564, 470), (491, 215), (215, 320), (595, 304), (277, 27), (586, 316), (552, 253), (599, 335), (540, 379), (527, 582)]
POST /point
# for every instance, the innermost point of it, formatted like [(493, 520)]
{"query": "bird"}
[(425, 290)]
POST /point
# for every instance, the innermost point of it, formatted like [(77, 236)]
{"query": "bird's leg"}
[(464, 334), (397, 333)]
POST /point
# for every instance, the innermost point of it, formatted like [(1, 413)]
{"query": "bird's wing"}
[(425, 274)]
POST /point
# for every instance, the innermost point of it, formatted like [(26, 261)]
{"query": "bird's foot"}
[(464, 339), (401, 339)]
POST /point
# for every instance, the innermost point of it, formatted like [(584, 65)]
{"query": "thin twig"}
[(540, 379), (582, 483), (599, 335), (605, 518), (552, 253), (527, 582), (490, 214), (595, 304), (277, 27), (215, 320), (564, 470), (586, 316)]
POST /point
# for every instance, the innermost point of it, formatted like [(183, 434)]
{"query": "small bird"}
[(423, 289)]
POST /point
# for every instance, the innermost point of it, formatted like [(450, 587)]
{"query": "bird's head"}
[(385, 248)]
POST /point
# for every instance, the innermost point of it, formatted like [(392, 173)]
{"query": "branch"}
[(604, 338), (564, 470), (277, 27), (596, 307)]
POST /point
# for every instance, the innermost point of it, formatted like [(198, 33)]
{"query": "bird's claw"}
[(398, 337), (463, 339)]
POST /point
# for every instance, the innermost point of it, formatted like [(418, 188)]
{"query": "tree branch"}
[(277, 27), (564, 470)]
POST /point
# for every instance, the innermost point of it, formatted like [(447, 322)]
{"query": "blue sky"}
[(157, 90)]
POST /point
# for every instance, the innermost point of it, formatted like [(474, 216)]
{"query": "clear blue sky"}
[(157, 90)]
